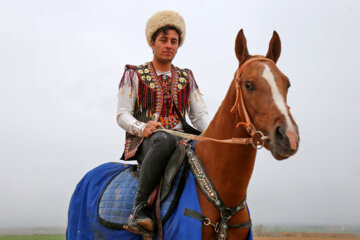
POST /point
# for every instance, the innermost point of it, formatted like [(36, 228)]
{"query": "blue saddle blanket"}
[(117, 200), (84, 219)]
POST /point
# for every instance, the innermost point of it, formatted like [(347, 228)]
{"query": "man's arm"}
[(198, 113), (127, 97)]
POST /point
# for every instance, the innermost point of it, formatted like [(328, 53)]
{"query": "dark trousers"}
[(152, 157)]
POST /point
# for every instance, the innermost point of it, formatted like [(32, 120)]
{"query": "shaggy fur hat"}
[(163, 18)]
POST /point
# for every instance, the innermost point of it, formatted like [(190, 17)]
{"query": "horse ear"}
[(241, 50), (274, 47)]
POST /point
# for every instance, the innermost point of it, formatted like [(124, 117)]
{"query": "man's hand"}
[(150, 127)]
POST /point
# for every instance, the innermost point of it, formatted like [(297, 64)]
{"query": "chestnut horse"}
[(229, 166)]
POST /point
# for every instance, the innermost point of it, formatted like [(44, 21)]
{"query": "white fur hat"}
[(163, 18)]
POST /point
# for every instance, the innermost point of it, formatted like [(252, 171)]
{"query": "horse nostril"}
[(286, 139), (279, 135)]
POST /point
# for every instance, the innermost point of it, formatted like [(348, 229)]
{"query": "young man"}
[(148, 96)]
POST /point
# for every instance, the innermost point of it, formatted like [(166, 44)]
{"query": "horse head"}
[(264, 91)]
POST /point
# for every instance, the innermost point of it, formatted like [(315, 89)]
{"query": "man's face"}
[(165, 46)]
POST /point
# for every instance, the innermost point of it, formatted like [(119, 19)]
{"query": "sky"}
[(61, 63)]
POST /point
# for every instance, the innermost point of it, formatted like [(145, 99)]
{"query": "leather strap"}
[(152, 196), (158, 214), (187, 127), (194, 214), (242, 225), (202, 138)]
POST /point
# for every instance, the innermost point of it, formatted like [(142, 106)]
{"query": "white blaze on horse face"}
[(280, 103)]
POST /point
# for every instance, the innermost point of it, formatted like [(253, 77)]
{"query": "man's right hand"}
[(149, 128)]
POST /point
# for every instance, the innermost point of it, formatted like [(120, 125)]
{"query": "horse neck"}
[(229, 166)]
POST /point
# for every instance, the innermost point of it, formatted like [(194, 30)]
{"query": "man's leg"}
[(153, 157)]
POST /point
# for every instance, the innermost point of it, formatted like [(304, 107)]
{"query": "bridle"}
[(257, 136), (257, 139)]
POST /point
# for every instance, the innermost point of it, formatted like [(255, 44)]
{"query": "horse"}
[(254, 112), (264, 89)]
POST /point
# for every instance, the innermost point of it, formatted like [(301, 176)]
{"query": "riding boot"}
[(153, 158), (141, 219)]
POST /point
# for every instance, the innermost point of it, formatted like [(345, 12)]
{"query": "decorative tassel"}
[(130, 71), (146, 96)]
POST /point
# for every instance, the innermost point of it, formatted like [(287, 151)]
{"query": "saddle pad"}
[(83, 219), (116, 201)]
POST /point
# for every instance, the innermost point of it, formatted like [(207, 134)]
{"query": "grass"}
[(40, 237)]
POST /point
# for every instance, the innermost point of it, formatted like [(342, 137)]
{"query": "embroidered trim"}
[(128, 152)]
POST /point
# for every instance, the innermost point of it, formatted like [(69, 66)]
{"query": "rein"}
[(257, 137)]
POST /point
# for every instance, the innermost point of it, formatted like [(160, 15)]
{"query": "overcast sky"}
[(61, 62)]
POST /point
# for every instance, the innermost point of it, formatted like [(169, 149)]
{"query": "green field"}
[(57, 237)]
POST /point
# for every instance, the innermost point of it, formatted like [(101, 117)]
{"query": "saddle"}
[(116, 200)]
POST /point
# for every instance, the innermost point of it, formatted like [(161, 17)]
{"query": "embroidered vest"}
[(156, 96)]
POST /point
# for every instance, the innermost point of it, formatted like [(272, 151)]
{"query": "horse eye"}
[(249, 85)]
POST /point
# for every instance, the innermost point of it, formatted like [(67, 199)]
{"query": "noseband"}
[(257, 136)]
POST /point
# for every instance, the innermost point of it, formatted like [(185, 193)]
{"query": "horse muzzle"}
[(284, 142)]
